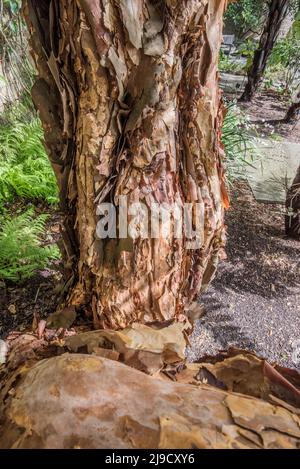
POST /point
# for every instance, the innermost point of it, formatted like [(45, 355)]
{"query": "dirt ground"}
[(267, 110), (38, 295), (254, 301)]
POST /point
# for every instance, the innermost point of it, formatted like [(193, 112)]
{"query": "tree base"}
[(75, 400)]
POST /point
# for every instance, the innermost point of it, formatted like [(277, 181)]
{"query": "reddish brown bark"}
[(278, 10), (86, 401), (128, 96)]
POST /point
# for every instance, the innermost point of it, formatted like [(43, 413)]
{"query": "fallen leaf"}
[(3, 351), (62, 319), (41, 328), (12, 309)]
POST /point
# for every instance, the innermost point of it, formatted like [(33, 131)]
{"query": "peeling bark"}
[(278, 10), (128, 96), (88, 399), (84, 401), (292, 219)]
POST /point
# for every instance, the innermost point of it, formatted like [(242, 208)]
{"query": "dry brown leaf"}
[(62, 319), (12, 309)]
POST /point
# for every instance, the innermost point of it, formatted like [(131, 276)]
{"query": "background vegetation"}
[(26, 176), (245, 17)]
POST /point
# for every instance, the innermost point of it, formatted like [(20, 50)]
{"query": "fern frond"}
[(25, 168), (21, 252)]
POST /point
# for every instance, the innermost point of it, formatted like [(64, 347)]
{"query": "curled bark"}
[(87, 401), (128, 96)]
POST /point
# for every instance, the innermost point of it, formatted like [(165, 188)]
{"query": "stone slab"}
[(274, 171)]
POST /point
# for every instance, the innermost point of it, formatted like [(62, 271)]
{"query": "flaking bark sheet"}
[(89, 399), (85, 401)]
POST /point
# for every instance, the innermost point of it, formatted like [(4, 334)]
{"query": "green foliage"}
[(25, 170), (247, 48), (229, 65), (21, 252), (20, 110), (13, 5), (16, 66), (296, 26), (246, 16), (284, 61), (238, 142)]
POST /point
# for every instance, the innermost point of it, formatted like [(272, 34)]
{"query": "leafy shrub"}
[(246, 16), (284, 60), (228, 64), (25, 170), (282, 71), (238, 142), (21, 252)]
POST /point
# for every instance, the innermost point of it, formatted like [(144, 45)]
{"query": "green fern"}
[(25, 169), (21, 253)]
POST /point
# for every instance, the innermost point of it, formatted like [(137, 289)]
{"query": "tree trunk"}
[(293, 112), (128, 96), (278, 9), (81, 401), (292, 219)]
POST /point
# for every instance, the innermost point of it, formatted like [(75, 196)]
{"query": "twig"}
[(37, 294)]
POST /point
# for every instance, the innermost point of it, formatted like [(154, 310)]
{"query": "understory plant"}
[(246, 16), (21, 252), (25, 170), (16, 67), (229, 64), (238, 140), (284, 62)]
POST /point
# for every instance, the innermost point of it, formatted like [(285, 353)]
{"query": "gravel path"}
[(254, 302)]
